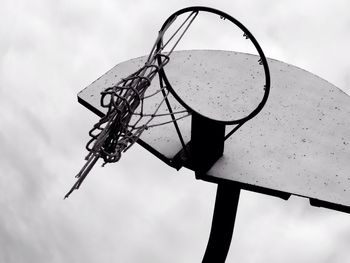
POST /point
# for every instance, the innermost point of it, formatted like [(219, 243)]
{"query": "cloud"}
[(138, 210)]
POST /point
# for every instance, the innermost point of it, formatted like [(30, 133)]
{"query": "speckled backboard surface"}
[(299, 143)]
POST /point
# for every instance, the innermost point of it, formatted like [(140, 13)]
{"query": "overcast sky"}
[(140, 210)]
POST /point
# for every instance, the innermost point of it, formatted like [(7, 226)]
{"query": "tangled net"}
[(114, 133)]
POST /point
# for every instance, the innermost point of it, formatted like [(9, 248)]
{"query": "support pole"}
[(226, 203), (206, 147)]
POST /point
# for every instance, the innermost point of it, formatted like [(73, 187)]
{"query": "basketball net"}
[(125, 119)]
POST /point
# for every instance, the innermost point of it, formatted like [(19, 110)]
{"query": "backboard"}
[(298, 144)]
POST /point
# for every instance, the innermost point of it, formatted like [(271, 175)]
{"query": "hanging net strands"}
[(125, 119)]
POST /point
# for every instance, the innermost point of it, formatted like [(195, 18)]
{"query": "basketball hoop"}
[(126, 120)]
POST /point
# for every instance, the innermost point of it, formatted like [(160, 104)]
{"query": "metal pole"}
[(226, 203)]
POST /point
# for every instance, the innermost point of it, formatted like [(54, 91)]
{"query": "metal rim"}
[(246, 32)]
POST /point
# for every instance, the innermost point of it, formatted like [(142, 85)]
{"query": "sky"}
[(140, 210)]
